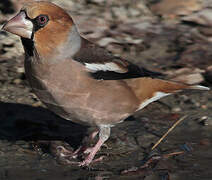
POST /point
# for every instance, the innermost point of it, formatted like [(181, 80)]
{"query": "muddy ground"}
[(172, 37)]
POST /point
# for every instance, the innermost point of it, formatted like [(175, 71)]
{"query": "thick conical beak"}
[(19, 25)]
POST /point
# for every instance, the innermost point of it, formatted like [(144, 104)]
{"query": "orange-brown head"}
[(46, 24)]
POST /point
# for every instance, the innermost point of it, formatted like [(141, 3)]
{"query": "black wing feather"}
[(91, 53), (133, 72)]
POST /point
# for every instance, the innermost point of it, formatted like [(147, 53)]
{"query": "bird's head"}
[(48, 26)]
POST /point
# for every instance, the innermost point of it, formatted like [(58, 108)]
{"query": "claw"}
[(87, 162), (66, 155), (63, 152)]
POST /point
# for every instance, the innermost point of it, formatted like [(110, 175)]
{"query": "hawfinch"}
[(78, 80)]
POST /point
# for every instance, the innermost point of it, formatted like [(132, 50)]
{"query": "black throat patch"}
[(28, 46)]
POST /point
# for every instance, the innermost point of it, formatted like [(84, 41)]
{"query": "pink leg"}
[(93, 152), (103, 136), (93, 135)]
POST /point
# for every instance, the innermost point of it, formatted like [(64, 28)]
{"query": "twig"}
[(170, 129), (173, 154), (157, 158), (151, 161)]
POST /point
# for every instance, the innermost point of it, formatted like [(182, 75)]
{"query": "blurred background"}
[(173, 37)]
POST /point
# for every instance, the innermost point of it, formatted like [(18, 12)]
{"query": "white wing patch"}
[(200, 87), (94, 67), (157, 95)]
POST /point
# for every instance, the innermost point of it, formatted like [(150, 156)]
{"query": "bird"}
[(79, 80)]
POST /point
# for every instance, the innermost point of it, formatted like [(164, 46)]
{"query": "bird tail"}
[(148, 89)]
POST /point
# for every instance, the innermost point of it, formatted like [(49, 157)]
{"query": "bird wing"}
[(103, 65)]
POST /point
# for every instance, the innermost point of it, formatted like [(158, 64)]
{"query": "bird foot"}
[(92, 153), (87, 150), (64, 153), (66, 156), (89, 161)]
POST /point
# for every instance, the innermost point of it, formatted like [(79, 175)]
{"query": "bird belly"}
[(79, 98), (83, 106)]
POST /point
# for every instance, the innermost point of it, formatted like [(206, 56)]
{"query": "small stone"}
[(120, 13), (17, 81), (106, 41), (204, 107), (176, 109), (205, 121), (197, 104), (20, 70), (134, 12), (205, 142), (203, 17), (37, 104), (143, 25), (173, 8), (133, 41)]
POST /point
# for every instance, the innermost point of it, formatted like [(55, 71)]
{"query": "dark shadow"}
[(24, 122), (7, 7)]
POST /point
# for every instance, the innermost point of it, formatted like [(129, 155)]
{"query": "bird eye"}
[(42, 20)]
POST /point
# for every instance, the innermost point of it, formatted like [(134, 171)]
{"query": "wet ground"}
[(151, 36)]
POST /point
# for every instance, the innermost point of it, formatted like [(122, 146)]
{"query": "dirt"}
[(29, 132)]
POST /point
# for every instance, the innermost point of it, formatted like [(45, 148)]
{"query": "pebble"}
[(197, 104), (205, 142), (106, 41), (133, 41), (120, 13), (20, 69), (204, 107), (203, 17), (37, 104), (17, 81), (205, 121), (176, 109), (134, 12), (173, 8)]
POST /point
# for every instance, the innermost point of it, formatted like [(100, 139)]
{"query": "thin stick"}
[(170, 129), (173, 154)]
